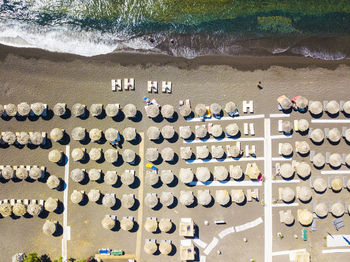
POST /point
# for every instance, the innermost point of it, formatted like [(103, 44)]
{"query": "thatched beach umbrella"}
[(305, 193), (126, 224), (95, 154), (216, 130), (167, 198), (36, 138), (337, 209), (317, 135), (151, 200), (167, 176), (252, 171), (315, 107), (49, 227), (109, 200), (35, 172), (202, 152), (128, 178), (112, 110), (348, 184), (111, 155), (321, 209), (77, 175), (302, 147), (200, 109), (7, 172), (9, 137), (60, 109), (94, 174), (203, 174), (22, 173), (168, 154), (286, 171), (222, 197), (23, 109), (234, 151), (236, 172), (302, 102), (230, 108), (217, 152), (38, 108), (185, 132), (185, 110), (347, 135), (51, 204), (5, 209), (95, 134), (165, 248), (130, 110), (186, 175), (289, 218), (186, 152), (346, 107), (151, 225), (19, 209), (165, 225), (94, 195), (238, 196), (78, 110), (287, 127), (320, 185), (286, 149), (129, 133), (334, 135), (319, 160), (333, 107), (108, 222), (335, 160), (153, 133), (303, 125), (337, 184), (78, 133), (151, 178), (76, 197), (111, 134), (215, 108), (57, 134), (152, 154), (152, 111), (201, 131), (53, 182), (303, 169), (11, 110), (220, 173), (232, 129), (168, 132), (305, 217), (96, 109), (285, 102), (78, 154), (150, 247), (186, 198), (129, 155), (55, 156), (128, 200), (23, 138), (287, 195), (204, 197), (111, 177), (167, 111)]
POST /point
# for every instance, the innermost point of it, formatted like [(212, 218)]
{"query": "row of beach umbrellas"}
[(287, 170), (109, 222), (320, 185), (110, 177), (218, 152), (335, 160), (110, 155), (151, 247), (95, 134), (334, 135), (21, 172), (23, 109), (23, 138)]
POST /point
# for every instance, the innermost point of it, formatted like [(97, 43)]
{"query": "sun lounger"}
[(33, 201), (247, 150), (313, 225), (113, 85), (310, 131), (280, 148), (245, 127), (253, 151), (245, 108), (166, 87), (188, 102), (278, 168), (251, 106), (325, 106), (12, 202), (341, 104), (228, 151), (296, 125), (6, 201), (281, 213), (338, 223), (26, 202), (327, 157), (344, 131), (41, 202), (251, 129), (280, 129), (129, 83), (312, 154), (152, 86), (252, 194), (326, 132)]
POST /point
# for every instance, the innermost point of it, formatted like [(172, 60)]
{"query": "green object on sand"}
[(304, 234)]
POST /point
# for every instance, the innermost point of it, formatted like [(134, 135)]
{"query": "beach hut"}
[(77, 175), (202, 152), (153, 133), (151, 178), (128, 177), (51, 204), (78, 110), (150, 247), (23, 138), (167, 111), (111, 177), (215, 130), (200, 110), (222, 197), (152, 154), (112, 110), (217, 152), (303, 125), (57, 134), (167, 198), (232, 129), (284, 102), (287, 194), (334, 135), (320, 185), (252, 171), (5, 209), (337, 209), (11, 110), (333, 107), (34, 209), (165, 225), (22, 173), (203, 174), (95, 134), (315, 107), (237, 196), (76, 197), (94, 174), (305, 217), (303, 169), (49, 227), (38, 108), (319, 160), (55, 156), (109, 200), (186, 152), (302, 147), (95, 154), (321, 209), (108, 222), (129, 134), (286, 149), (286, 171), (185, 110), (201, 131), (130, 110), (96, 109), (23, 109), (129, 155), (128, 200), (9, 137), (185, 132), (215, 109), (186, 198), (204, 197), (126, 224), (151, 200), (152, 110), (236, 172), (220, 173), (302, 102), (336, 184), (78, 133), (94, 195), (304, 193), (335, 160), (186, 175), (19, 209), (231, 108), (168, 132), (35, 173), (78, 154), (111, 155), (165, 248), (7, 172), (53, 182), (167, 176), (151, 225), (60, 109), (36, 138), (287, 127)]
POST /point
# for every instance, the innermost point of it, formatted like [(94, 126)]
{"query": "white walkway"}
[(249, 225), (286, 252), (330, 121), (337, 241), (328, 251)]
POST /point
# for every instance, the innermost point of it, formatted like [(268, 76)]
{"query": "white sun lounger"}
[(152, 86), (344, 131), (247, 150), (253, 151), (251, 129), (296, 125), (41, 202), (26, 202), (129, 83), (278, 168), (245, 128), (325, 105), (326, 132), (341, 105), (327, 157), (12, 202), (280, 148), (166, 87), (244, 107), (116, 85), (280, 129)]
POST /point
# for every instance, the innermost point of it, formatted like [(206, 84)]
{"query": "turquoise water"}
[(188, 28)]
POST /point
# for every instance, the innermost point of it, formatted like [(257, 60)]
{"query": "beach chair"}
[(152, 86), (326, 132), (188, 102), (33, 201), (304, 234), (247, 150), (338, 223), (12, 202), (41, 202), (252, 194), (327, 157), (344, 131), (280, 148), (166, 87), (325, 106), (312, 154), (296, 125), (280, 129), (245, 128), (113, 85), (278, 168), (228, 151), (253, 151), (208, 112), (244, 107), (129, 83), (251, 129), (6, 201), (341, 105), (26, 202), (250, 106)]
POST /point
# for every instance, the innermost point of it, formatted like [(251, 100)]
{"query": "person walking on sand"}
[(258, 85)]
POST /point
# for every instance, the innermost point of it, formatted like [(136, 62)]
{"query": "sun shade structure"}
[(128, 200), (167, 111), (302, 102), (304, 193), (38, 108), (76, 197), (232, 129), (185, 110), (126, 224), (236, 172), (287, 127), (165, 225), (36, 138), (185, 132), (7, 172), (112, 110), (151, 178), (201, 131), (95, 154), (289, 218), (237, 196), (95, 134), (11, 110), (286, 149), (336, 184), (186, 198), (215, 108), (57, 134), (168, 132), (303, 125), (23, 138), (234, 151), (53, 182), (150, 247), (109, 200), (78, 154), (252, 171), (78, 133), (111, 177), (230, 108), (337, 209), (165, 248), (305, 217), (152, 154), (19, 209), (151, 200), (303, 169), (316, 107), (77, 175), (60, 109), (128, 177), (51, 204), (34, 209), (334, 135), (9, 137), (23, 109), (217, 152), (111, 155), (94, 174), (200, 110), (320, 185), (167, 198), (96, 109), (216, 130), (220, 173), (222, 197), (108, 222), (49, 227), (130, 110), (168, 154), (335, 160), (286, 171), (35, 172), (287, 194), (285, 102), (317, 135), (129, 155), (302, 147), (167, 176), (153, 133), (151, 225), (5, 209), (55, 156), (22, 173), (78, 110), (204, 197), (94, 195), (203, 174), (333, 107), (111, 134), (202, 152), (321, 209), (186, 152), (319, 160), (347, 135), (186, 175), (129, 133), (152, 111)]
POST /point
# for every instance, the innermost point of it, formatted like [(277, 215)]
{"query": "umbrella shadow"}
[(174, 182), (174, 118), (86, 139), (117, 204), (174, 138), (316, 115), (334, 143), (317, 143), (65, 139), (333, 115), (116, 226), (20, 118), (62, 185), (174, 250), (135, 206), (47, 145), (319, 167), (118, 183), (305, 202), (135, 228), (158, 206), (194, 204), (85, 159), (174, 204), (158, 161), (119, 117), (346, 114), (158, 184), (44, 214), (191, 138), (159, 140), (244, 202), (59, 231), (136, 183), (85, 115), (137, 118), (102, 115), (48, 116), (211, 203), (60, 207), (63, 161), (119, 162), (86, 179), (174, 160), (159, 118), (137, 140), (101, 159), (84, 201), (6, 117), (66, 114)]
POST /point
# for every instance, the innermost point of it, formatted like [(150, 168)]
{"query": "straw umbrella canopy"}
[(346, 107), (19, 209), (49, 227), (236, 172), (230, 107), (167, 176), (152, 111), (303, 125), (78, 154), (78, 110), (186, 198), (185, 110), (348, 184), (200, 109), (333, 107), (320, 185), (57, 134), (186, 152), (129, 133), (109, 200), (185, 132), (288, 194), (202, 152), (165, 248), (347, 160), (220, 173), (215, 108), (153, 133), (285, 102), (165, 225), (151, 225), (11, 110), (23, 138), (321, 209), (111, 155), (151, 200), (302, 102), (203, 174), (150, 247), (111, 134), (38, 108), (5, 209), (232, 129), (51, 204), (168, 154), (96, 109), (152, 154), (78, 133), (2, 110), (23, 109), (334, 135), (216, 130), (287, 170), (94, 174), (94, 195), (186, 175), (128, 200), (315, 107), (289, 218), (128, 178), (55, 156), (335, 160), (95, 134), (130, 110), (287, 127), (151, 178), (305, 217), (238, 196), (59, 109), (222, 197), (317, 135), (95, 154), (167, 198), (76, 197), (286, 149), (201, 131), (77, 175), (108, 222), (126, 224), (303, 169), (252, 171), (53, 182), (319, 160), (305, 194), (36, 138), (9, 138), (347, 135), (21, 173), (167, 111), (302, 147), (7, 172), (336, 184), (168, 132), (234, 151), (35, 172), (337, 209), (112, 110), (129, 155), (204, 197), (111, 177), (217, 151)]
